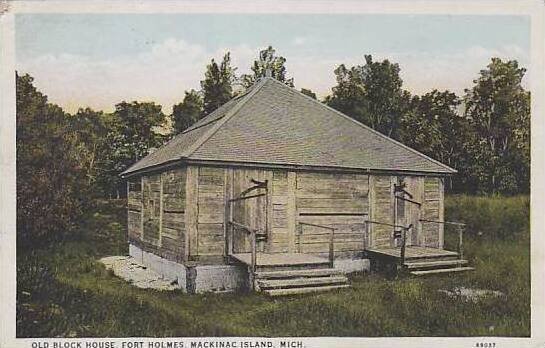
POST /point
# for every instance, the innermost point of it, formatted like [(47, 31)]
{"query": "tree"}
[(133, 132), (371, 94), (89, 132), (434, 127), (187, 112), (217, 86), (308, 92), (51, 185), (267, 61), (499, 109)]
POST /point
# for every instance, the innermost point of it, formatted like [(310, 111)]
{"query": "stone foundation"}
[(218, 278), (194, 279)]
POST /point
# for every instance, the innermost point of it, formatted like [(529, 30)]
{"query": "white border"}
[(534, 9)]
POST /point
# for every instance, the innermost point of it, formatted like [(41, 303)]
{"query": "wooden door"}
[(408, 206), (250, 208)]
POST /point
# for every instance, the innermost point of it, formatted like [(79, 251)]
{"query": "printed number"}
[(485, 344)]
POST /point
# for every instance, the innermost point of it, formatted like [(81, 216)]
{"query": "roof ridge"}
[(221, 121), (364, 126)]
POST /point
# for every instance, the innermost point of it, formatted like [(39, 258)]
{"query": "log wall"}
[(180, 214), (156, 205)]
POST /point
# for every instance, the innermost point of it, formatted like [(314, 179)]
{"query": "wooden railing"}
[(252, 232), (404, 230), (460, 227), (331, 239)]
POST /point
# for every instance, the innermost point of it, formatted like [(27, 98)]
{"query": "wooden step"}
[(442, 270), (300, 282), (432, 258), (434, 264), (305, 290), (320, 272), (290, 267)]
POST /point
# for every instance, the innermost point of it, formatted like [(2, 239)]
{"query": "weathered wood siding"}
[(151, 204), (134, 205), (335, 200), (173, 218), (156, 205), (180, 213), (210, 217)]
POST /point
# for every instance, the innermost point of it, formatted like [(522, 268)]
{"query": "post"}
[(331, 247), (253, 261), (403, 243), (460, 241), (366, 236)]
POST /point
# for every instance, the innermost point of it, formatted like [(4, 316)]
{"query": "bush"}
[(490, 217)]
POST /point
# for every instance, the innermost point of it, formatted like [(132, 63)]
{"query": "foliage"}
[(308, 92), (485, 136), (89, 130), (372, 94), (267, 61), (63, 291), (493, 217), (133, 133), (217, 84), (499, 109), (187, 112), (51, 179)]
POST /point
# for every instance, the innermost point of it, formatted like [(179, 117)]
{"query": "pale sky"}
[(99, 60)]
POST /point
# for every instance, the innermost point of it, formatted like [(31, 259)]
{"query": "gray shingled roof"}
[(275, 124)]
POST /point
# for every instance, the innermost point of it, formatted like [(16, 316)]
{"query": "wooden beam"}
[(160, 209), (291, 213), (142, 182), (192, 210), (228, 195)]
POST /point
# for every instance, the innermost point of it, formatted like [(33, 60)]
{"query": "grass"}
[(63, 292)]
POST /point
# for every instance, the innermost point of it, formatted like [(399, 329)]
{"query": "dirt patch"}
[(127, 268)]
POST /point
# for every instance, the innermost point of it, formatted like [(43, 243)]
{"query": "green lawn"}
[(63, 291)]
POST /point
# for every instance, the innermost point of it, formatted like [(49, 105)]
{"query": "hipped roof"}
[(274, 124)]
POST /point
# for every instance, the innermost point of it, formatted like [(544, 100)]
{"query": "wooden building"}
[(290, 191)]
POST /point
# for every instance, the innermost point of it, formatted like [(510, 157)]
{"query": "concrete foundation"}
[(352, 265), (217, 278)]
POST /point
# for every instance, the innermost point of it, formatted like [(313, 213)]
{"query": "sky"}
[(99, 60)]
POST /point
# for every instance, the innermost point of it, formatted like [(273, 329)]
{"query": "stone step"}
[(319, 272), (305, 290), (442, 270), (300, 282), (420, 265)]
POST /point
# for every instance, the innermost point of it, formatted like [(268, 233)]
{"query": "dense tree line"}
[(65, 161)]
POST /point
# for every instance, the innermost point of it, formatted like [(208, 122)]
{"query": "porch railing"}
[(252, 232), (331, 239), (404, 230), (460, 226)]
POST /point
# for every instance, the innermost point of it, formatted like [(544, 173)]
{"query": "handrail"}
[(460, 226), (385, 223), (445, 222), (331, 239), (253, 261), (404, 230)]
